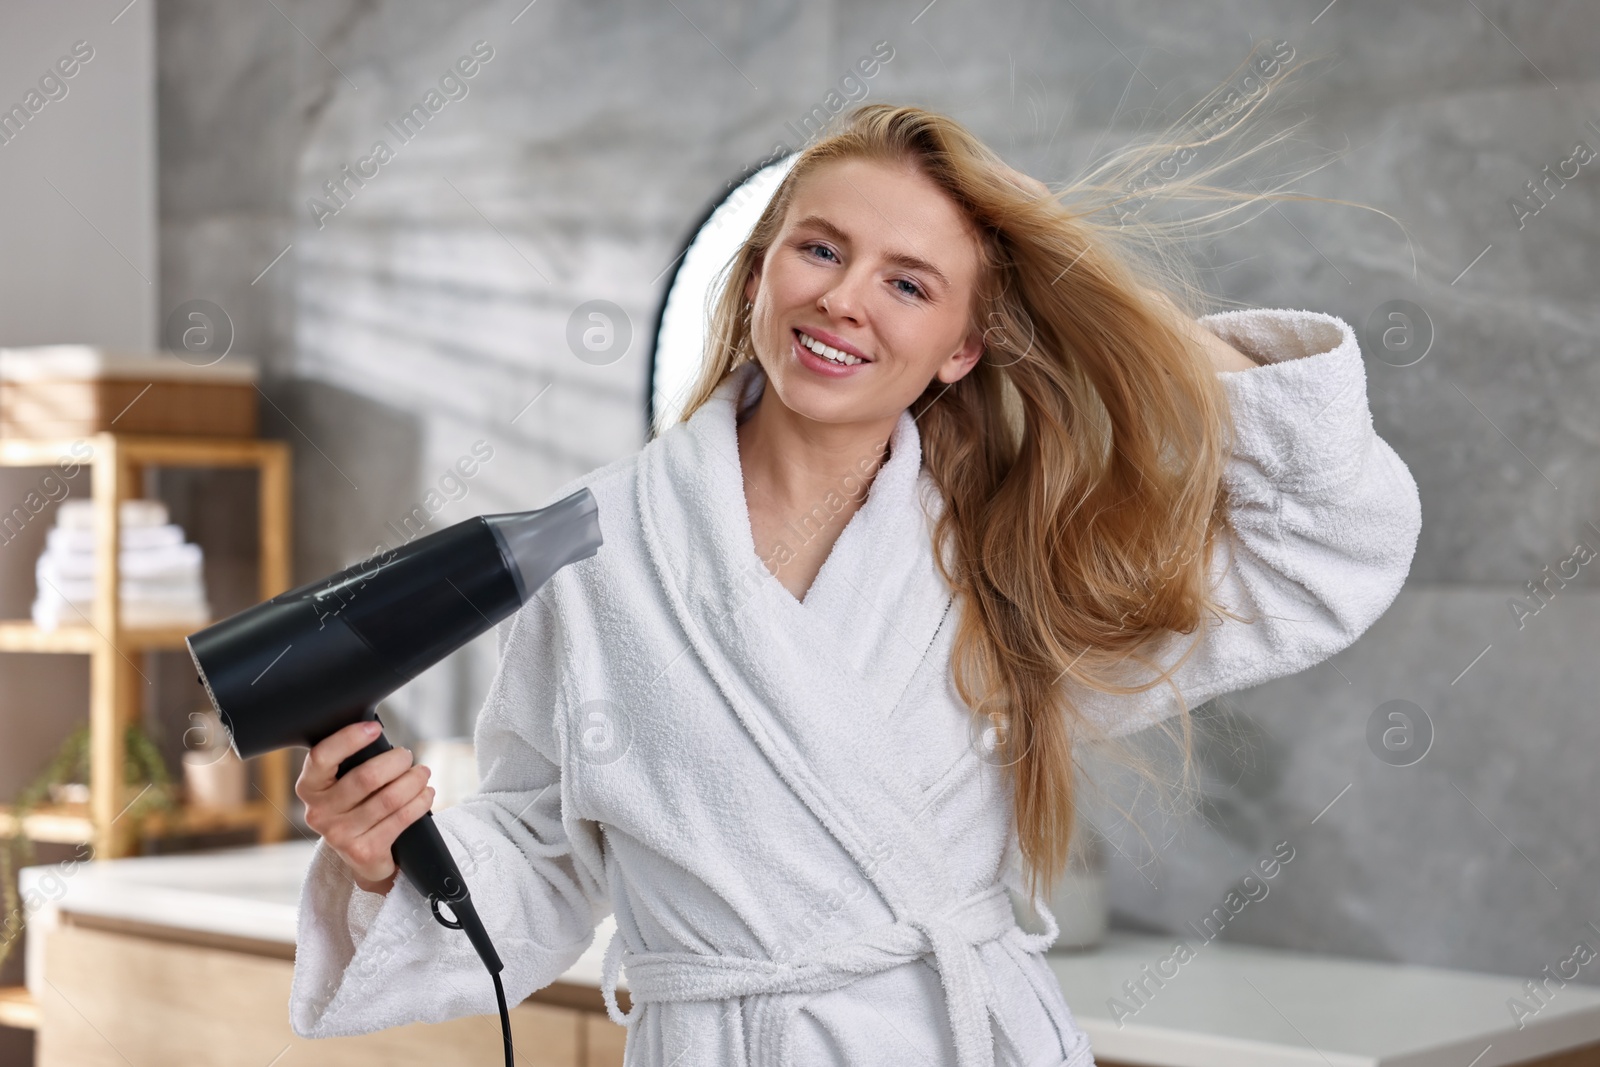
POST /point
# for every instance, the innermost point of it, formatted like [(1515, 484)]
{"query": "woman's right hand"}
[(362, 813)]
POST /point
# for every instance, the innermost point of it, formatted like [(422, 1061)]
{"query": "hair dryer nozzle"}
[(539, 543)]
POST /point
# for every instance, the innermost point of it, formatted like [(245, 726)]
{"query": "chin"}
[(817, 401)]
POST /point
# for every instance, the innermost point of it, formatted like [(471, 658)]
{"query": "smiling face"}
[(873, 260)]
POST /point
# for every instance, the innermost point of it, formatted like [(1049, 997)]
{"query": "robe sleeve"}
[(1323, 522), (369, 961)]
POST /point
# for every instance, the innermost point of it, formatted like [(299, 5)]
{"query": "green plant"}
[(142, 766)]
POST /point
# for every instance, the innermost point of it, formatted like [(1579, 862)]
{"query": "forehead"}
[(889, 208)]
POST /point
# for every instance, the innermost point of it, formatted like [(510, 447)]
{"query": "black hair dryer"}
[(310, 661)]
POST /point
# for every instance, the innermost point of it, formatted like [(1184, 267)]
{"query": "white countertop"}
[(1229, 1006), (249, 892), (1239, 1006)]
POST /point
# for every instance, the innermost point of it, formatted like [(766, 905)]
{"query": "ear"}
[(962, 360), (753, 282)]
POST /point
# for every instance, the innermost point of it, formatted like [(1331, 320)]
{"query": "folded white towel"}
[(81, 539), (82, 590), (78, 514), (167, 562), (49, 616), (161, 579)]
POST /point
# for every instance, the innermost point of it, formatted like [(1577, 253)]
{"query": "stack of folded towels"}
[(160, 574)]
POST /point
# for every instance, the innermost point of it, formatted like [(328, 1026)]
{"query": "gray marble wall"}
[(429, 312)]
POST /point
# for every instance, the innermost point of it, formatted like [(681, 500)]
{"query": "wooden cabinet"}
[(112, 998), (117, 993)]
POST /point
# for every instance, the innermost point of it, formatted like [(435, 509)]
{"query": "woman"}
[(747, 724)]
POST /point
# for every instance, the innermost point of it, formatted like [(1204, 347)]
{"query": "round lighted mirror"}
[(681, 324)]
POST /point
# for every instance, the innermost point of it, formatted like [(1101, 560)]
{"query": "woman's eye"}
[(911, 288)]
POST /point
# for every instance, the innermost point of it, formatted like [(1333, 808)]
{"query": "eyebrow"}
[(904, 259)]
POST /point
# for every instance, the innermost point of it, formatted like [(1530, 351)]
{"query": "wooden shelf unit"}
[(116, 465)]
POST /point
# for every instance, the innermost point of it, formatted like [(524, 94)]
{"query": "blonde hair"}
[(1081, 458)]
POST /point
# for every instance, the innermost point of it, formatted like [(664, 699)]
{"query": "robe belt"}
[(950, 938)]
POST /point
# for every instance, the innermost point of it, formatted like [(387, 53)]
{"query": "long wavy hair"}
[(1081, 459)]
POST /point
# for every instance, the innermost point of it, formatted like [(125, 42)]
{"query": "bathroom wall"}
[(77, 173), (430, 311)]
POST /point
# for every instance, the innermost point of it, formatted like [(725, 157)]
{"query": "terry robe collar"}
[(815, 684)]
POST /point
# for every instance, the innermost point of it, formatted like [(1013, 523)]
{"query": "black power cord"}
[(505, 1016), (491, 961)]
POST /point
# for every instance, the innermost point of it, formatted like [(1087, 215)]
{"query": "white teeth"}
[(828, 352)]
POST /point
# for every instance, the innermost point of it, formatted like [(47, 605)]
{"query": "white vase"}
[(215, 779)]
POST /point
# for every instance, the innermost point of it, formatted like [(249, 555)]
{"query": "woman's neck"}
[(803, 481), (793, 463)]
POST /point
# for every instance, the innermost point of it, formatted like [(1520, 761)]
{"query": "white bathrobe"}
[(782, 801)]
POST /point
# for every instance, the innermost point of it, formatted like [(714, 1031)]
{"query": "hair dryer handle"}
[(421, 853)]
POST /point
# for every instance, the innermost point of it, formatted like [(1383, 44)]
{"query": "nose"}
[(843, 301)]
